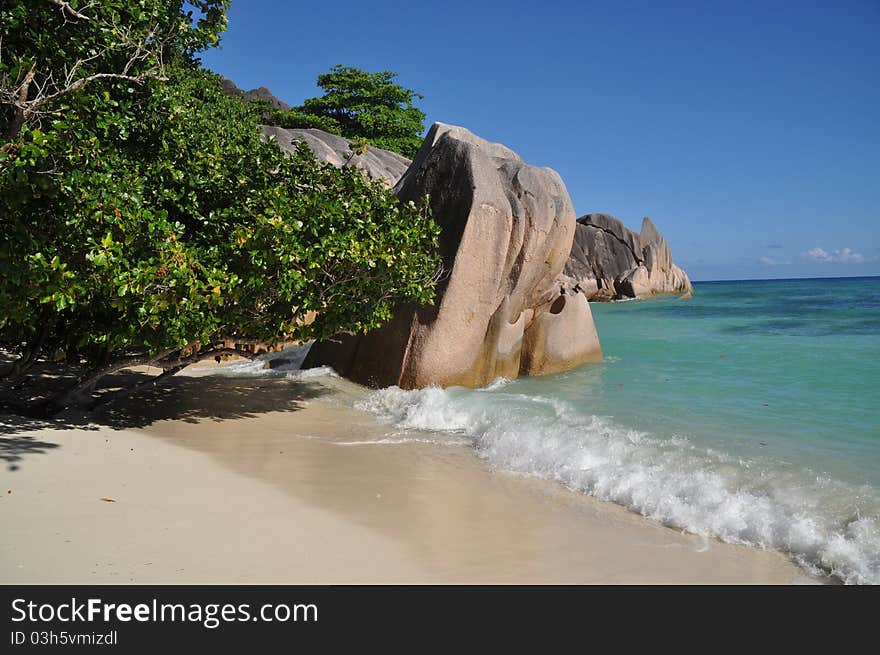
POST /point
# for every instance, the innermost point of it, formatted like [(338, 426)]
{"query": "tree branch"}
[(67, 9), (34, 105), (30, 355), (26, 97), (173, 370), (82, 390)]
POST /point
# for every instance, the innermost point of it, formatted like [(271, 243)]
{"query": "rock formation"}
[(663, 275), (261, 94), (503, 309), (376, 163), (608, 260)]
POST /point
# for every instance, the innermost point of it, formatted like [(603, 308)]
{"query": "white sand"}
[(211, 486)]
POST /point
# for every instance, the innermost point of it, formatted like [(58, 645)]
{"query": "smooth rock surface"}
[(503, 309), (603, 251), (663, 275), (377, 164), (634, 283), (608, 260)]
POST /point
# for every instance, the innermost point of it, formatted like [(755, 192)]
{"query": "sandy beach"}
[(271, 480)]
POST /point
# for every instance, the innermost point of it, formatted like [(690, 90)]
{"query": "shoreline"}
[(267, 480)]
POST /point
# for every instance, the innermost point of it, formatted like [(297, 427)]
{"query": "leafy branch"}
[(133, 56)]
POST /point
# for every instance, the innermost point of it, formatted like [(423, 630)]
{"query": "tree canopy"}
[(52, 48), (361, 104), (145, 219)]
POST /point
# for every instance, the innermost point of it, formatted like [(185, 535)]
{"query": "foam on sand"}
[(699, 490)]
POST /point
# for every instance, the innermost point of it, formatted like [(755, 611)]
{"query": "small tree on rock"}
[(368, 105)]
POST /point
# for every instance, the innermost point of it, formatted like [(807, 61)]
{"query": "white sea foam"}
[(820, 523), (396, 441), (247, 367), (288, 362), (305, 374), (497, 383)]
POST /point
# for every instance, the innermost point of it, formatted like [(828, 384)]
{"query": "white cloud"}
[(840, 256), (769, 261), (818, 254)]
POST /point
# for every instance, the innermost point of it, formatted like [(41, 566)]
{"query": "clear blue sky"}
[(749, 131)]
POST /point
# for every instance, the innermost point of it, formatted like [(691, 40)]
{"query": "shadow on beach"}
[(188, 399), (218, 398), (15, 448)]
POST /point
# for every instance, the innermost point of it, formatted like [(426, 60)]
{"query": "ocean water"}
[(750, 413)]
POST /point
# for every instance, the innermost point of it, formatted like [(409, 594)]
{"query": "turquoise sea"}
[(750, 413)]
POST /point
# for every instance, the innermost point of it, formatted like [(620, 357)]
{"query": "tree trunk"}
[(13, 130), (30, 355), (80, 395), (205, 353), (19, 116)]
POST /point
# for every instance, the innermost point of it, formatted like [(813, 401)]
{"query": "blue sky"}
[(749, 131)]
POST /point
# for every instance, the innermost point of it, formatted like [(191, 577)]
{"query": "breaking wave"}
[(824, 525), (284, 363)]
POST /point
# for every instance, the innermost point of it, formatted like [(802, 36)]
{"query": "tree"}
[(295, 119), (146, 221), (368, 105), (52, 48)]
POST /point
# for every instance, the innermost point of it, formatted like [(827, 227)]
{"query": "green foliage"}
[(50, 49), (148, 217), (293, 119), (38, 31), (167, 220), (368, 105)]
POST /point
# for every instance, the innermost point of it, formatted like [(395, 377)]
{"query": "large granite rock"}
[(608, 260), (663, 275), (503, 308), (603, 251), (376, 163)]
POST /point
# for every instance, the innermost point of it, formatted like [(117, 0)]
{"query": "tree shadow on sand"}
[(213, 397), (189, 399), (14, 449)]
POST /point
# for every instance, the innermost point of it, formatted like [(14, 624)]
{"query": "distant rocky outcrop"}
[(504, 308), (663, 275), (260, 94), (377, 164), (608, 260)]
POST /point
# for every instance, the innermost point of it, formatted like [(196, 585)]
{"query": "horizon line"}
[(784, 279)]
